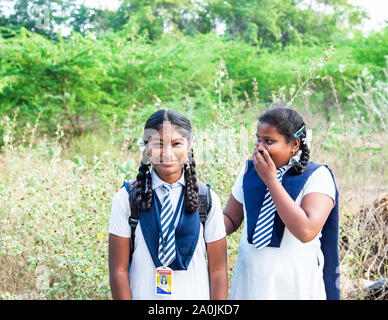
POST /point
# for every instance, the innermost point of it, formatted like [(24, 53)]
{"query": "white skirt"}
[(292, 272)]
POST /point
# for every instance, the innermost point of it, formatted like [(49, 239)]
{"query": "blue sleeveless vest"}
[(254, 192), (186, 233)]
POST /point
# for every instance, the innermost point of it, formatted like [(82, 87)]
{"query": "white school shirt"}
[(192, 283), (294, 270)]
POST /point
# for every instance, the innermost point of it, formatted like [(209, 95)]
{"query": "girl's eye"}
[(266, 141)]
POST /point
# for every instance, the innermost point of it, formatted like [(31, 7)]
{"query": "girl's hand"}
[(265, 167)]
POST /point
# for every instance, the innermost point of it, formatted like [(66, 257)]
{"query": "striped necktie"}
[(166, 252), (264, 225)]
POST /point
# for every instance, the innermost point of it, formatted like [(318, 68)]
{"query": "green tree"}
[(276, 23), (83, 19), (153, 18), (40, 16), (47, 16), (63, 81)]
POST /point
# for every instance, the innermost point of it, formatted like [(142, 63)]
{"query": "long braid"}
[(144, 184), (300, 166), (191, 192)]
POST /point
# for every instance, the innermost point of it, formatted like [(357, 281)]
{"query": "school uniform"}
[(192, 283), (287, 268)]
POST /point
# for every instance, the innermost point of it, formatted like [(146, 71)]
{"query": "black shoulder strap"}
[(204, 202), (133, 219)]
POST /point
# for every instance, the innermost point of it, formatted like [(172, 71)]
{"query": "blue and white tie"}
[(264, 225), (166, 251)]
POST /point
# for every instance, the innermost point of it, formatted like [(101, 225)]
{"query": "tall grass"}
[(55, 195)]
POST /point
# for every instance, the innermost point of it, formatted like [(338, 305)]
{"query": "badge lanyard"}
[(164, 274)]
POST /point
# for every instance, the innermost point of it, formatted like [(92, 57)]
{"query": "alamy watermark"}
[(43, 17), (210, 146)]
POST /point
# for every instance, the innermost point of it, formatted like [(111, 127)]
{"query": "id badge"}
[(163, 281)]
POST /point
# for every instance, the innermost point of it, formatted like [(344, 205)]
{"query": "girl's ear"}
[(295, 145)]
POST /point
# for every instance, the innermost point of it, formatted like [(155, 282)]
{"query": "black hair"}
[(288, 122), (144, 195)]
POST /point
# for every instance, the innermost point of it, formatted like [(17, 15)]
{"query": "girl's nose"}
[(167, 152), (259, 145)]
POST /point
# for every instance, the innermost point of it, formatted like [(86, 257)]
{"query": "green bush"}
[(80, 82)]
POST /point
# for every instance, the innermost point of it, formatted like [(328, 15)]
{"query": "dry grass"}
[(54, 210), (362, 179)]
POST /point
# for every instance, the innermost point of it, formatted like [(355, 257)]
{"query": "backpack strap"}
[(133, 219), (204, 202)]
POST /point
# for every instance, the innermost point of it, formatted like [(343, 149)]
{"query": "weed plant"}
[(55, 194)]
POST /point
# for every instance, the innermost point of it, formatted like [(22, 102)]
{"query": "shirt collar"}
[(293, 160), (157, 182)]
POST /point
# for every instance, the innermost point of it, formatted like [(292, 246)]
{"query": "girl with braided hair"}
[(170, 241), (288, 248)]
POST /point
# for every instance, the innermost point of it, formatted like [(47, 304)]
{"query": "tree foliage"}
[(62, 81), (282, 22), (270, 23), (152, 51)]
